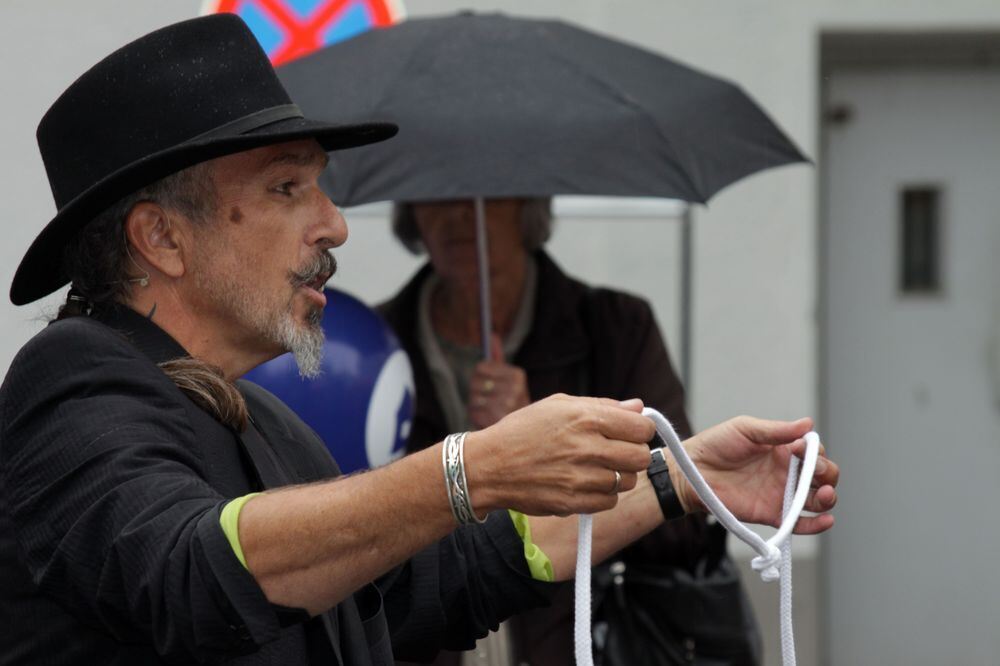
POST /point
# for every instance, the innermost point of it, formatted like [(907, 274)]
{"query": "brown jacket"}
[(584, 341)]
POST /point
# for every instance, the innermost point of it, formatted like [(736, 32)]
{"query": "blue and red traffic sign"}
[(289, 29)]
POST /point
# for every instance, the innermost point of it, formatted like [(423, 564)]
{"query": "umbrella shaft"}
[(483, 256)]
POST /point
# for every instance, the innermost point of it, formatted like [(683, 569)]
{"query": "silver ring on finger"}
[(618, 483)]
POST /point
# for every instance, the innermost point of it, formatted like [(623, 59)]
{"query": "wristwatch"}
[(659, 475)]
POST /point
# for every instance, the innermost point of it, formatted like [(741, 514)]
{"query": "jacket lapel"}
[(270, 472)]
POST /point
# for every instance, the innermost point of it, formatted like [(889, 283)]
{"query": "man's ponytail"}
[(208, 388)]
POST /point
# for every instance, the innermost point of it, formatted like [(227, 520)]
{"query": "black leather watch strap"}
[(659, 476)]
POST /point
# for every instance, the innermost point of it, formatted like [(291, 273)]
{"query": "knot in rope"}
[(769, 566)]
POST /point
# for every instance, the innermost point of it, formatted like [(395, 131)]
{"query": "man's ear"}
[(154, 241)]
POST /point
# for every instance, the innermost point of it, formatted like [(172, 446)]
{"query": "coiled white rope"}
[(774, 556)]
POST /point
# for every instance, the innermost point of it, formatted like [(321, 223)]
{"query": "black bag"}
[(652, 615)]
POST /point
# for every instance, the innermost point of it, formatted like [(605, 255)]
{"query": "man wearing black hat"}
[(133, 523)]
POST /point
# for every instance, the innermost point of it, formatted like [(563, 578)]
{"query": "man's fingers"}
[(595, 502), (613, 454), (799, 448), (821, 499), (827, 473), (814, 524), (632, 404), (629, 481), (764, 431), (617, 420), (602, 480)]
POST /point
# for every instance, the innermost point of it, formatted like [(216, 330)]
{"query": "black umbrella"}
[(495, 106)]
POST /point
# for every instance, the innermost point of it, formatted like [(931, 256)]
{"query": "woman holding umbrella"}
[(551, 334)]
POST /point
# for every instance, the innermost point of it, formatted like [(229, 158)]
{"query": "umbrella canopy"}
[(495, 106)]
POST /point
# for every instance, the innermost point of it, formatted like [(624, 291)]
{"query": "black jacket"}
[(111, 486), (583, 341)]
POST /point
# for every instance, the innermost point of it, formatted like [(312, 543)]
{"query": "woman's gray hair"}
[(536, 224)]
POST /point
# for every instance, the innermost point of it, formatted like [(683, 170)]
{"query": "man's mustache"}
[(322, 265)]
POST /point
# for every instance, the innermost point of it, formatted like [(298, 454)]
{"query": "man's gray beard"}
[(304, 341), (277, 326)]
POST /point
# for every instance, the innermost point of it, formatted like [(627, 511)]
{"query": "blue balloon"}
[(362, 402)]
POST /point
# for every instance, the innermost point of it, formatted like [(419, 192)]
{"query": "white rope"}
[(581, 631), (774, 556)]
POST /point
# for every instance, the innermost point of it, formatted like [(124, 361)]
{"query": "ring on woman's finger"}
[(488, 386), (618, 483)]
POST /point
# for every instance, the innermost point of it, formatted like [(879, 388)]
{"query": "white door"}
[(910, 390)]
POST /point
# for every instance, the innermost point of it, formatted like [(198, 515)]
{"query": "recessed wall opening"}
[(920, 240)]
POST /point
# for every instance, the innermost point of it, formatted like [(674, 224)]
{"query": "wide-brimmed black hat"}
[(184, 94)]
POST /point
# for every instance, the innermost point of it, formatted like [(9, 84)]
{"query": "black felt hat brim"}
[(40, 272)]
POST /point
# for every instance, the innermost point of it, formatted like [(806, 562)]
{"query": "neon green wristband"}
[(539, 563), (229, 519)]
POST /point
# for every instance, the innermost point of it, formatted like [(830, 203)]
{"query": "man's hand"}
[(496, 388), (559, 456), (745, 461)]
